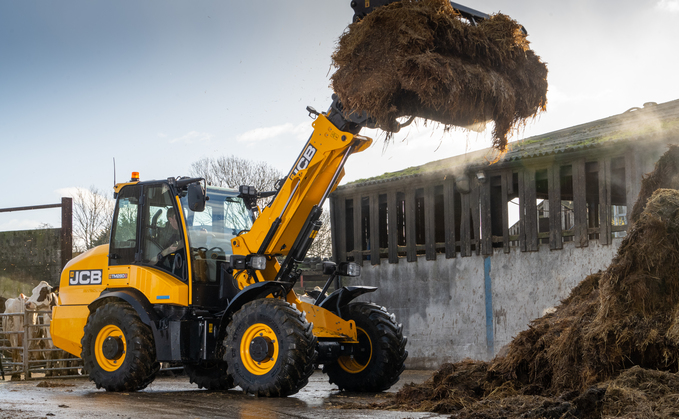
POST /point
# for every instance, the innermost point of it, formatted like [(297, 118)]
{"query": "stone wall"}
[(453, 309), (28, 257)]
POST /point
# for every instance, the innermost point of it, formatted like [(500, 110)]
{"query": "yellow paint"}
[(309, 183), (266, 365), (119, 186), (349, 363), (327, 324), (106, 364), (188, 256), (67, 327), (154, 283)]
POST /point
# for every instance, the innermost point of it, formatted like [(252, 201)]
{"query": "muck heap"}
[(423, 59), (611, 349)]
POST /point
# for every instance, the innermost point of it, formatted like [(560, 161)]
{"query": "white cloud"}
[(300, 131), (668, 6), (162, 135), (193, 137)]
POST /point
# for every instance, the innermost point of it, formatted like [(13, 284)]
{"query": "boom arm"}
[(289, 223)]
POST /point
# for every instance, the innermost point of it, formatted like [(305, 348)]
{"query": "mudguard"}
[(133, 297), (341, 297), (251, 293), (147, 314)]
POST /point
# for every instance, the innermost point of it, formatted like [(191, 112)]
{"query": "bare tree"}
[(322, 245), (92, 214), (231, 172)]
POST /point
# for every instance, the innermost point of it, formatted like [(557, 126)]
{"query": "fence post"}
[(66, 230), (27, 374)]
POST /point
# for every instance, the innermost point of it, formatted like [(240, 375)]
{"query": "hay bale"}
[(420, 58), (664, 176)]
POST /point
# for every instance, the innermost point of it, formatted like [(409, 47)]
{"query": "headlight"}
[(258, 262), (349, 269)]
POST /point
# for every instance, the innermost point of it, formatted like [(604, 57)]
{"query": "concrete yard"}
[(175, 397)]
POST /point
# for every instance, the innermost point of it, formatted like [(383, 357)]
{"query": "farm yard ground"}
[(169, 397)]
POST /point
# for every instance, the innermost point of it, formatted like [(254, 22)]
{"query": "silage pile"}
[(611, 348), (420, 58)]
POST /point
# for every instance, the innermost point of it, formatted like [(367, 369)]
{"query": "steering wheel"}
[(214, 252), (153, 228)]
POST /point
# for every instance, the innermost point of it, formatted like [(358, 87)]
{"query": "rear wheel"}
[(118, 349), (378, 358), (270, 348), (211, 376)]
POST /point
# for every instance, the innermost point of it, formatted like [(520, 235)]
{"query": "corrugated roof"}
[(635, 124)]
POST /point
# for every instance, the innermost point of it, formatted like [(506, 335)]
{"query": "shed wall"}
[(453, 309)]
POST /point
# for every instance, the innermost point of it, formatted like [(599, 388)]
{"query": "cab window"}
[(210, 231), (124, 229)]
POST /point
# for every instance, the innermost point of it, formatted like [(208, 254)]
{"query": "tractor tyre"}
[(118, 349), (270, 348), (209, 375), (379, 357)]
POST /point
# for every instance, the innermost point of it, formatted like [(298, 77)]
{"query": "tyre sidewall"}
[(377, 356), (296, 348), (134, 373), (211, 376), (283, 347), (387, 347)]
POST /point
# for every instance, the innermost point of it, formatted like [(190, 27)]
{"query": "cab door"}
[(147, 231)]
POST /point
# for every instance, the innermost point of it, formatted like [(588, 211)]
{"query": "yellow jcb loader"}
[(191, 275)]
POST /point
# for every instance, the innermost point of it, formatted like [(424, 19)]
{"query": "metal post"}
[(66, 230), (27, 374)]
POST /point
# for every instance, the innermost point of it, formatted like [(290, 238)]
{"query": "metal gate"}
[(27, 351)]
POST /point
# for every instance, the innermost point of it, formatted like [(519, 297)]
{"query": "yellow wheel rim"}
[(105, 363), (354, 364), (263, 366)]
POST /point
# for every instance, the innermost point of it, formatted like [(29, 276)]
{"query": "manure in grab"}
[(422, 59)]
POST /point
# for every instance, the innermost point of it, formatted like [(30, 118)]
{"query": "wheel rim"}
[(113, 363), (356, 363), (256, 360)]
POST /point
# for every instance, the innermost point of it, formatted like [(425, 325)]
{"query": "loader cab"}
[(155, 227), (147, 229)]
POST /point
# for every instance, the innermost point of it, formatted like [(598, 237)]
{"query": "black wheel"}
[(270, 349), (211, 376), (378, 358), (118, 349)]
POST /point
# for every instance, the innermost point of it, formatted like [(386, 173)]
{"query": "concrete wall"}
[(28, 257), (453, 309)]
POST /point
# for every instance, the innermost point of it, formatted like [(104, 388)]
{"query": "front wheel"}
[(378, 358), (118, 349), (270, 348)]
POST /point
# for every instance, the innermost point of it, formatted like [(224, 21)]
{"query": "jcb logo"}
[(304, 159), (92, 277)]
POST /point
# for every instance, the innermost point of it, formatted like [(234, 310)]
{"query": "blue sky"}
[(158, 85)]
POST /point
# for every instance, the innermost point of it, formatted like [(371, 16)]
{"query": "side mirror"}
[(196, 197)]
